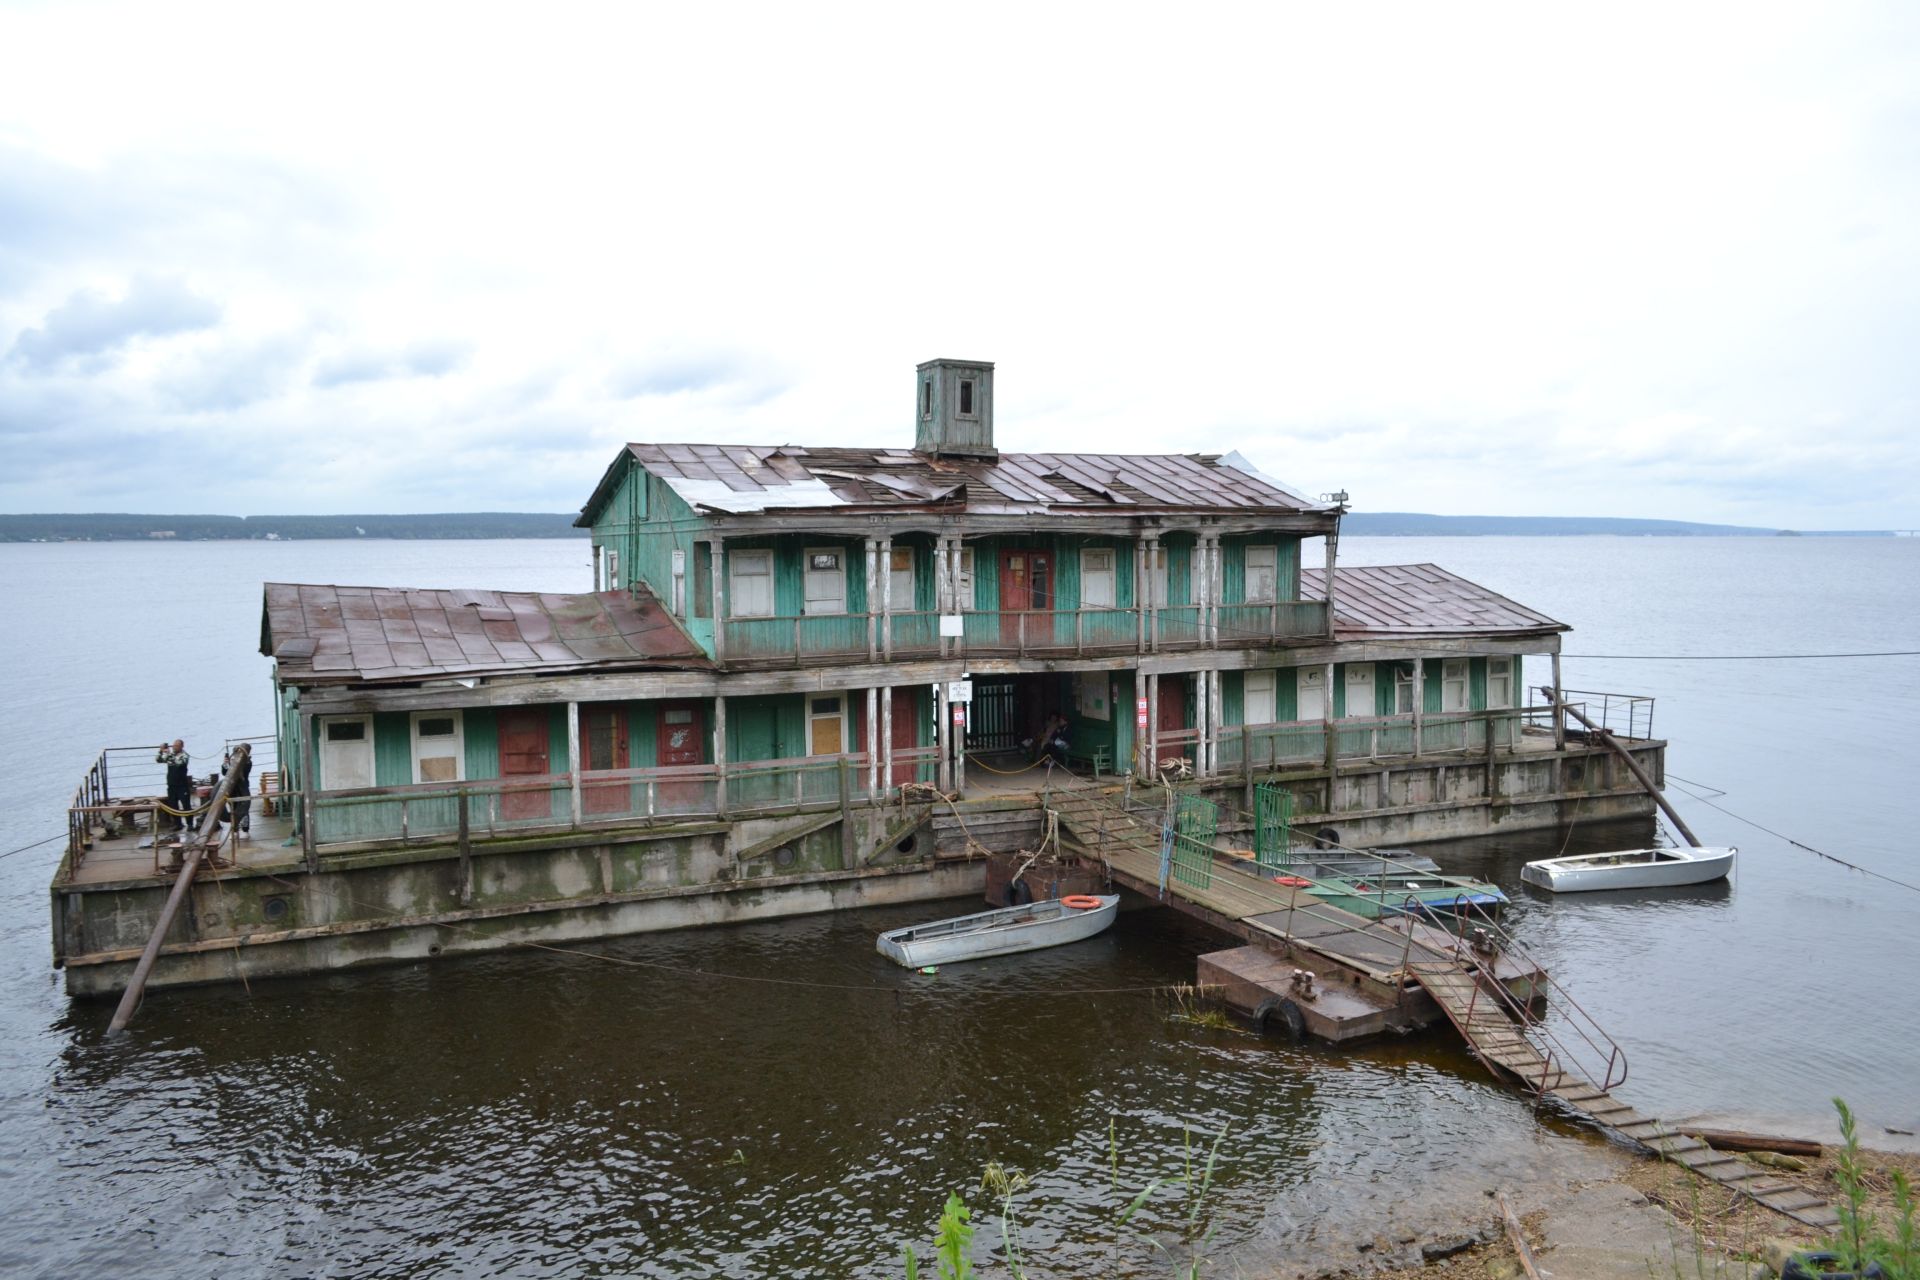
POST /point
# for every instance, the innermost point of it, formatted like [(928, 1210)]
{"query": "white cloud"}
[(1505, 259)]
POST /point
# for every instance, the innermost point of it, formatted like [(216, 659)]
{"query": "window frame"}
[(459, 737), (895, 576), (1456, 672), (1272, 593), (807, 572), (1271, 678), (1508, 675), (1089, 574), (737, 560)]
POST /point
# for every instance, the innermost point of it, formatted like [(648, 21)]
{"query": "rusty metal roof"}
[(362, 635), (732, 478), (1417, 600)]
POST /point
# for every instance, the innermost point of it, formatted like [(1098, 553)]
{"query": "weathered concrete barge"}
[(790, 658)]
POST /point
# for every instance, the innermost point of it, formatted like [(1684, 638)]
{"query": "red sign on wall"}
[(1140, 712)]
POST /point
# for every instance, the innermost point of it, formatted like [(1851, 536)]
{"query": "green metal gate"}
[(1272, 827), (1194, 823)]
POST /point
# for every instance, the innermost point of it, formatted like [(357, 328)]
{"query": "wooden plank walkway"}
[(1392, 951)]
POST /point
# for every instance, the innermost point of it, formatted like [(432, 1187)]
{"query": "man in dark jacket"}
[(179, 780), (240, 795)]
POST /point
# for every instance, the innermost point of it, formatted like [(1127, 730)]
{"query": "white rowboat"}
[(1027, 927), (1630, 869)]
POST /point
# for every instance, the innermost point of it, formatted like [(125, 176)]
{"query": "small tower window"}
[(926, 399), (966, 395)]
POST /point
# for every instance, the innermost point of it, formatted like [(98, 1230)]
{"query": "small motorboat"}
[(1630, 869), (1027, 927)]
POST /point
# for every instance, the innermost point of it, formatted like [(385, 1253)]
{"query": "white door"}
[(346, 752), (1360, 690), (439, 747), (1257, 702), (1313, 693), (1453, 684), (826, 580), (750, 584)]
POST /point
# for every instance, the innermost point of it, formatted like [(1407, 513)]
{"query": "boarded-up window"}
[(966, 578), (439, 753), (750, 585), (826, 580), (1257, 700), (1097, 578), (1157, 578), (1263, 574), (900, 579), (1453, 684)]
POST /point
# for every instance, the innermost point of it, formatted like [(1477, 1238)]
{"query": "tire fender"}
[(1281, 1014)]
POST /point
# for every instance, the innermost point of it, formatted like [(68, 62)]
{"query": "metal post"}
[(1333, 550)]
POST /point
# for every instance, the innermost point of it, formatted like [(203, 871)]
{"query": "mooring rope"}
[(1798, 844)]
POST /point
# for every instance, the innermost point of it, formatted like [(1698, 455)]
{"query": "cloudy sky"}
[(1659, 261)]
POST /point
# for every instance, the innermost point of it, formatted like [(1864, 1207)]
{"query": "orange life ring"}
[(1292, 882), (1080, 901)]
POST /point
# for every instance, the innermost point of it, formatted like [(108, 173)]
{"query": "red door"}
[(681, 739), (523, 754), (1173, 717), (603, 744), (1026, 584), (906, 733)]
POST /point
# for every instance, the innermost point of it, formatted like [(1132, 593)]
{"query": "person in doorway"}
[(240, 795), (179, 780), (1053, 738)]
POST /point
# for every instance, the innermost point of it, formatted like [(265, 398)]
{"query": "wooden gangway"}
[(1489, 993)]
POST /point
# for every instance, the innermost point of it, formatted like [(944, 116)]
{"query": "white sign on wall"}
[(959, 691)]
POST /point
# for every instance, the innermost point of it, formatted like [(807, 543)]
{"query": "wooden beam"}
[(574, 763)]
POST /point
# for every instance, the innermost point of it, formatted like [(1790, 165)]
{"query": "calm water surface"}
[(538, 1114)]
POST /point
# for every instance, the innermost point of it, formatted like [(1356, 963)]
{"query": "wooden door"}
[(523, 754), (826, 725), (906, 734), (1173, 705), (1026, 584), (680, 739), (346, 752), (603, 745)]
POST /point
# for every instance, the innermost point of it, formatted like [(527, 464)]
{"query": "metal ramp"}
[(1473, 985)]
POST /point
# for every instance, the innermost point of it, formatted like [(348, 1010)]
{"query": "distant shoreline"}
[(118, 527)]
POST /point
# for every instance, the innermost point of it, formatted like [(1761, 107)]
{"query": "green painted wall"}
[(483, 743), (1233, 565), (645, 521)]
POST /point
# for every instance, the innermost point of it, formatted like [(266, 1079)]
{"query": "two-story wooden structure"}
[(781, 641)]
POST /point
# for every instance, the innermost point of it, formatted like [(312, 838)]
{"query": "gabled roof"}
[(377, 635), (738, 479), (1419, 600)]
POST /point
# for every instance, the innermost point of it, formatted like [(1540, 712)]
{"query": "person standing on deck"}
[(239, 795), (179, 780)]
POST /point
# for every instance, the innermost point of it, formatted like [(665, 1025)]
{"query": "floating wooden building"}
[(786, 654)]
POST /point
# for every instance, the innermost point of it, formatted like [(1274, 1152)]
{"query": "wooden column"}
[(1333, 550), (574, 763), (1202, 721), (309, 783), (1140, 589), (717, 562), (873, 605), (1332, 743), (1559, 698), (943, 771), (1419, 701), (885, 747), (1153, 604), (959, 737), (1209, 590), (873, 744), (942, 590), (884, 584), (1217, 720), (1153, 724), (720, 755)]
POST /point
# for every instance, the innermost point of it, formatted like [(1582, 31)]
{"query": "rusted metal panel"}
[(897, 478), (1419, 599), (327, 634)]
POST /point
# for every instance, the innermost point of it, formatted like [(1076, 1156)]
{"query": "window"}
[(826, 726), (900, 580), (439, 750), (966, 578), (826, 585), (1403, 688), (750, 587), (1257, 698), (1157, 578), (679, 604), (1499, 683), (966, 397), (1263, 575), (1453, 684), (1096, 578), (613, 569), (926, 398)]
